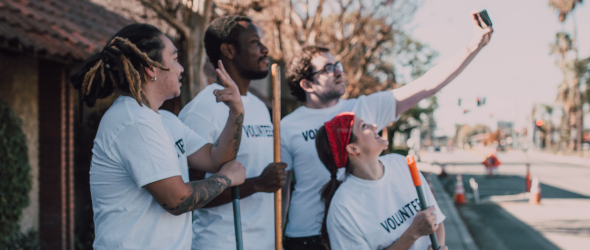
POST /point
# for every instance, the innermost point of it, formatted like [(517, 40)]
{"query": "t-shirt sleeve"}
[(194, 141), (440, 217), (343, 233), (145, 152), (378, 108), (202, 126)]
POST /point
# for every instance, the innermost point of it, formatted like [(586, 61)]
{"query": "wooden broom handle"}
[(276, 120)]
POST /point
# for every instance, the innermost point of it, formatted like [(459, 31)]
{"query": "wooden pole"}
[(276, 120)]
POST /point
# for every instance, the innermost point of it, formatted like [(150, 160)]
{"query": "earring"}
[(154, 79)]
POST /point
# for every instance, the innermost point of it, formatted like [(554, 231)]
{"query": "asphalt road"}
[(504, 219)]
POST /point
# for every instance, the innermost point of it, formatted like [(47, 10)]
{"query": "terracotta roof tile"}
[(63, 29)]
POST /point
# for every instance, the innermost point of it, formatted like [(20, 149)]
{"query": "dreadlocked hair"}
[(118, 65), (325, 153)]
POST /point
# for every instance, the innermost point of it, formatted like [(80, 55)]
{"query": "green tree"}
[(184, 20), (15, 177), (548, 124), (366, 36), (566, 8), (565, 92)]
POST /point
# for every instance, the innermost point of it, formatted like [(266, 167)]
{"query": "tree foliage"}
[(15, 177), (363, 35), (367, 37), (563, 7), (569, 93), (183, 20)]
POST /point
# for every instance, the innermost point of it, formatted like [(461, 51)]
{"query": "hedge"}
[(15, 178)]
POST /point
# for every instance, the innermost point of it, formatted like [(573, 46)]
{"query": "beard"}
[(253, 74), (329, 96)]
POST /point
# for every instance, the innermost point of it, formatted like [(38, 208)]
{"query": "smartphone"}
[(485, 18)]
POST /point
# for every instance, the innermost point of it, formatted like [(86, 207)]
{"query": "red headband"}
[(339, 130)]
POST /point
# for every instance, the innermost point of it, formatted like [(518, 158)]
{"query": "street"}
[(503, 219)]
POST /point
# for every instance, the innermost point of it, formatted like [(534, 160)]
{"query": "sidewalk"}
[(457, 234), (576, 160)]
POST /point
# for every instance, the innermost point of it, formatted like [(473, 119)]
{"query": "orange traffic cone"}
[(459, 191), (535, 191)]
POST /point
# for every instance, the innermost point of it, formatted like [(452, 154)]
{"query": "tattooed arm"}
[(178, 197), (271, 179), (210, 157)]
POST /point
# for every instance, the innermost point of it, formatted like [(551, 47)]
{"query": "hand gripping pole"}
[(423, 203)]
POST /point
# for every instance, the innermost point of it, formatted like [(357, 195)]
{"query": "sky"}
[(513, 72)]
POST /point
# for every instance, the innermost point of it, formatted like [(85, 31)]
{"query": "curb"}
[(464, 239)]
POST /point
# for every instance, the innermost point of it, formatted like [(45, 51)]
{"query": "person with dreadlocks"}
[(236, 42), (139, 171), (316, 78), (376, 206)]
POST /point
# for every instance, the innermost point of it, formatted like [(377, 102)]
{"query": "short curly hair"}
[(225, 29), (300, 68)]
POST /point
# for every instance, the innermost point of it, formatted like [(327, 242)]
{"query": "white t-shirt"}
[(135, 146), (372, 214), (214, 227), (298, 131)]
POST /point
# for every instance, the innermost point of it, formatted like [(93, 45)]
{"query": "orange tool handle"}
[(414, 170)]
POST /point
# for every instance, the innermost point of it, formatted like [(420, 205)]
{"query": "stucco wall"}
[(18, 87)]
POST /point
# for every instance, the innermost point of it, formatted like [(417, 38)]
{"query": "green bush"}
[(20, 241), (15, 178)]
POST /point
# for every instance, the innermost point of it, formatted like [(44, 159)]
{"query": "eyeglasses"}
[(329, 68)]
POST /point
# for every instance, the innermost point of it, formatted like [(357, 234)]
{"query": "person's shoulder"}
[(127, 110), (204, 103), (205, 96), (295, 115), (396, 163), (341, 198), (125, 114), (393, 157), (211, 87), (258, 103), (169, 116), (372, 96)]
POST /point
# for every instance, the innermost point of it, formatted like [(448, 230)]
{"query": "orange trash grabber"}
[(421, 197)]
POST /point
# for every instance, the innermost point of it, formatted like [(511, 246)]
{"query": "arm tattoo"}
[(201, 193), (238, 134), (216, 142)]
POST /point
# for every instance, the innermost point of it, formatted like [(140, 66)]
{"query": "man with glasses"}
[(316, 78)]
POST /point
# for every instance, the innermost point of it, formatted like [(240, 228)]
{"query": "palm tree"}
[(549, 111), (565, 8), (563, 44)]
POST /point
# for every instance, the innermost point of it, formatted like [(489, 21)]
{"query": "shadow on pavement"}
[(495, 229), (492, 227), (506, 185)]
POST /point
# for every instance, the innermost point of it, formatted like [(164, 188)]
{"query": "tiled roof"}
[(69, 30)]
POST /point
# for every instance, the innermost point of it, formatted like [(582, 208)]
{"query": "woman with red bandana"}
[(376, 205)]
